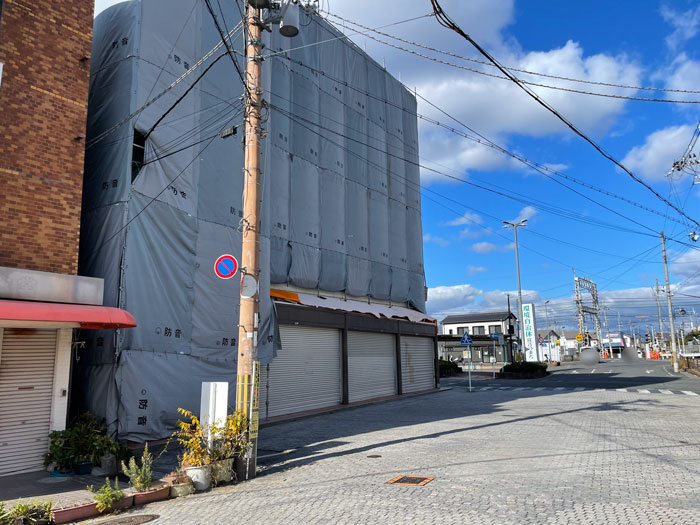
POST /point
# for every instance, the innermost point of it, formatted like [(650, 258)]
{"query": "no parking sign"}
[(226, 266)]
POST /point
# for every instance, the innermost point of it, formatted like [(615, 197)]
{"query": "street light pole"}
[(515, 226)]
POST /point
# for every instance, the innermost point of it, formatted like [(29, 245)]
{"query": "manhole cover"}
[(410, 480), (131, 520)]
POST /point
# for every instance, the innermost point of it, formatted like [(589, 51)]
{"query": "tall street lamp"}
[(515, 226), (549, 330)]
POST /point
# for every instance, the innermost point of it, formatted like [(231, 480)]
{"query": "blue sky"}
[(469, 257)]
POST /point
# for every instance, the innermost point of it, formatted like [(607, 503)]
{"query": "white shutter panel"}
[(306, 374), (371, 365), (26, 383), (417, 364)]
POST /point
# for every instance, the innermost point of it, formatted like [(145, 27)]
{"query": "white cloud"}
[(683, 74), (467, 218), (655, 157), (527, 213), (489, 247), (445, 298), (685, 24), (466, 233), (437, 240), (474, 270)]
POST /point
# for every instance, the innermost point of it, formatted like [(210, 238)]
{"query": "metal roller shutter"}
[(305, 375), (26, 382), (417, 363), (371, 365)]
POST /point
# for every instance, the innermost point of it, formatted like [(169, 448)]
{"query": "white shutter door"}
[(417, 364), (26, 384), (305, 375), (371, 365)]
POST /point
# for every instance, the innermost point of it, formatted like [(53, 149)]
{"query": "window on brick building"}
[(138, 153)]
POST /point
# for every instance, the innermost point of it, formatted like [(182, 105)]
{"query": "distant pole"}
[(515, 226), (674, 348), (658, 309), (510, 336), (607, 330)]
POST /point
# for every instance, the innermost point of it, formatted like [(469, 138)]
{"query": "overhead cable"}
[(447, 22)]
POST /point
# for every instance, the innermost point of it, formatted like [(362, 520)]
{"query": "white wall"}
[(61, 378)]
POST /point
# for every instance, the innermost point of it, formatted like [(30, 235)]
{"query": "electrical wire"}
[(480, 139), (445, 21), (510, 68)]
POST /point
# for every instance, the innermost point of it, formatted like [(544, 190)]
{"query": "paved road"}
[(640, 374), (498, 457)]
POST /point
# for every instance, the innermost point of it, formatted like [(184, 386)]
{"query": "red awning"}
[(96, 317)]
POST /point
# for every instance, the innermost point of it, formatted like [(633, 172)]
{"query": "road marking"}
[(609, 372), (665, 392), (520, 388), (539, 389), (649, 371), (621, 389), (592, 370), (689, 393), (643, 391), (486, 387), (575, 372), (559, 388), (578, 389)]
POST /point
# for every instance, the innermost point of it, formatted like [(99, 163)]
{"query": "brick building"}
[(44, 74)]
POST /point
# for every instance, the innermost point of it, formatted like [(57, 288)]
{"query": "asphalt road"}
[(614, 374)]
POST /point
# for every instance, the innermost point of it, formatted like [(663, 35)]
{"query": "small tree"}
[(140, 476)]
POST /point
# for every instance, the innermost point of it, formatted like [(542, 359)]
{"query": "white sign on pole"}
[(530, 344)]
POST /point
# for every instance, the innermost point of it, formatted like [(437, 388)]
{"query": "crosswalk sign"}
[(466, 340)]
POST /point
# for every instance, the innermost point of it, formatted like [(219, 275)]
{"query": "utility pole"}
[(510, 335), (250, 237), (658, 309), (674, 348), (607, 330), (515, 226)]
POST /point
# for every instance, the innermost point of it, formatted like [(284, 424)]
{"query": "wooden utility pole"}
[(674, 348), (246, 396)]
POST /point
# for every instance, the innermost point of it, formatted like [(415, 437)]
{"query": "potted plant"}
[(141, 477), (41, 512), (195, 459), (230, 441), (18, 514), (110, 497), (180, 484)]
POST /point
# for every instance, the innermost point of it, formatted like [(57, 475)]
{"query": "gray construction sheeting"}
[(339, 213)]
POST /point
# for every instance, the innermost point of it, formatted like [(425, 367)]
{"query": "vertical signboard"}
[(530, 344), (253, 416)]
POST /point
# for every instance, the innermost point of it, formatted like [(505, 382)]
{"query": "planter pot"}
[(79, 512), (124, 503), (82, 468), (181, 489), (141, 498), (200, 476), (222, 471), (41, 522)]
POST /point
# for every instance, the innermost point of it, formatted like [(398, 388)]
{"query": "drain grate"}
[(410, 480)]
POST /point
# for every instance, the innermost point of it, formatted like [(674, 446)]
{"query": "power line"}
[(445, 21), (530, 83), (152, 101), (480, 139), (510, 68)]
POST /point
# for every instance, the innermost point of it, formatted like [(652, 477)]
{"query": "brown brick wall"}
[(45, 48)]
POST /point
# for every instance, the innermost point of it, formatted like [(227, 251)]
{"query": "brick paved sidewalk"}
[(497, 457)]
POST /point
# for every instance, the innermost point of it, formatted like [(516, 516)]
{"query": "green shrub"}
[(107, 495), (448, 368), (140, 476), (84, 440)]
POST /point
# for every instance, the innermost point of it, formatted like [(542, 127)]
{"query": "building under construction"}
[(342, 289)]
